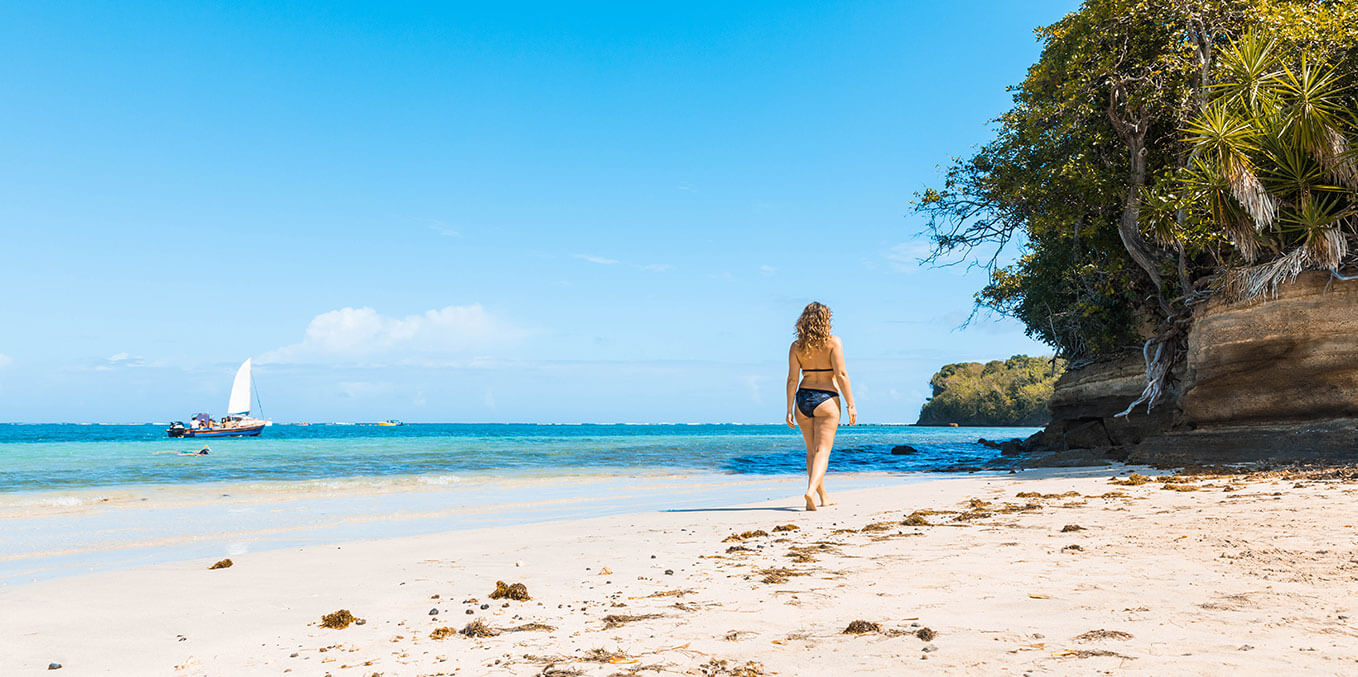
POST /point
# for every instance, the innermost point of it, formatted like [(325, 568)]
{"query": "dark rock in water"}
[(1012, 448), (903, 449), (54, 666), (985, 442)]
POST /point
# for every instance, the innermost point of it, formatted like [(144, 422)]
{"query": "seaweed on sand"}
[(223, 564), (736, 538), (517, 591), (926, 634), (720, 668), (1094, 635), (1133, 480), (861, 627), (786, 527), (1071, 527), (916, 519), (618, 620), (339, 620), (531, 627), (477, 628), (775, 575)]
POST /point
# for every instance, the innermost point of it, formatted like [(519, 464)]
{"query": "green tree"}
[(1011, 392)]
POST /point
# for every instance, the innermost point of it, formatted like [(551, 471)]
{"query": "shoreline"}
[(61, 532), (1244, 575)]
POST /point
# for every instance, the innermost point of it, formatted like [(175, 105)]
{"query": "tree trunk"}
[(1128, 229)]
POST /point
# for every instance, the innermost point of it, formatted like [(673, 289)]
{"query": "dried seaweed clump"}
[(605, 656), (223, 564), (736, 538), (926, 634), (517, 591), (878, 526), (477, 628), (720, 668), (1095, 635), (531, 627), (1133, 480), (1071, 527), (915, 519), (618, 620), (1169, 486), (785, 527), (861, 627), (1036, 494), (339, 620), (776, 575), (442, 633)]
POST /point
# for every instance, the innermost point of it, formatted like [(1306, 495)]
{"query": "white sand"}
[(1260, 580)]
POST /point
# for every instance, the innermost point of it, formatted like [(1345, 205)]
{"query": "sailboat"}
[(236, 423)]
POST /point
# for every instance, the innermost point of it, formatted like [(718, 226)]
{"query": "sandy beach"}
[(1042, 572)]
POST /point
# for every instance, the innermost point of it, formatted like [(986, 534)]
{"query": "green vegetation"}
[(1158, 153), (1013, 392)]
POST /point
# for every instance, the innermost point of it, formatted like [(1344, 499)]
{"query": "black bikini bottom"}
[(810, 398)]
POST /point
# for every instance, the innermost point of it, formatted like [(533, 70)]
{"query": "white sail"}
[(239, 404)]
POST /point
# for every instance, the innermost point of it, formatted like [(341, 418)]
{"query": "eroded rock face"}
[(1085, 402), (1293, 357)]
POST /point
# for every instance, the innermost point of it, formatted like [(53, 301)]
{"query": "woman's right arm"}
[(842, 378), (794, 369)]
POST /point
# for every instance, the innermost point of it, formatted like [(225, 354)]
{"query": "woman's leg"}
[(823, 427), (807, 426)]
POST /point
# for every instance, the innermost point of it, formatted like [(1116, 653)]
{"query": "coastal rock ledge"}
[(1271, 380)]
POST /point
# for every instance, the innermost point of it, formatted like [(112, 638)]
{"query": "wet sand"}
[(1043, 572)]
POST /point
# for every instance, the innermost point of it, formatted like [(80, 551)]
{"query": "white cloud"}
[(657, 267), (768, 270), (363, 333), (5, 360), (905, 257), (124, 361), (596, 259)]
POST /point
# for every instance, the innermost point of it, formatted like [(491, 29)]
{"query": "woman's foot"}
[(825, 499), (810, 501)]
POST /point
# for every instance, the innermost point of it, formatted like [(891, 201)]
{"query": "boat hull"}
[(241, 431)]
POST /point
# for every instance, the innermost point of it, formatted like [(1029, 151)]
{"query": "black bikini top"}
[(826, 369)]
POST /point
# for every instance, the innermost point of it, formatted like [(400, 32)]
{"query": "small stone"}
[(929, 648), (485, 606), (669, 572), (1245, 647), (470, 612), (914, 625), (54, 666), (293, 655), (433, 612)]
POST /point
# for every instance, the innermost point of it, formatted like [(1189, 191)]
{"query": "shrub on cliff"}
[(1010, 392)]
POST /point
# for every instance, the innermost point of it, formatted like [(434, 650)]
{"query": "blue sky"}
[(550, 212)]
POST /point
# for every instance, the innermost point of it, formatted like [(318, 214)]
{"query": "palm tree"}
[(1272, 170)]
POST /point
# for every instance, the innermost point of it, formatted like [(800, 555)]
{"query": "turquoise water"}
[(87, 498), (68, 456)]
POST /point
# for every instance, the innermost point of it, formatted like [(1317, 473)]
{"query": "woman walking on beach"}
[(813, 404)]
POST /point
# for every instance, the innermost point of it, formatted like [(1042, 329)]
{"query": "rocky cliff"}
[(1274, 379), (1293, 357)]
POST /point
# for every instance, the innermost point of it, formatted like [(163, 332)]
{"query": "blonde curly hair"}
[(813, 327)]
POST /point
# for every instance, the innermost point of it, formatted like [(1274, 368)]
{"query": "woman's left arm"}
[(794, 369), (842, 377)]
